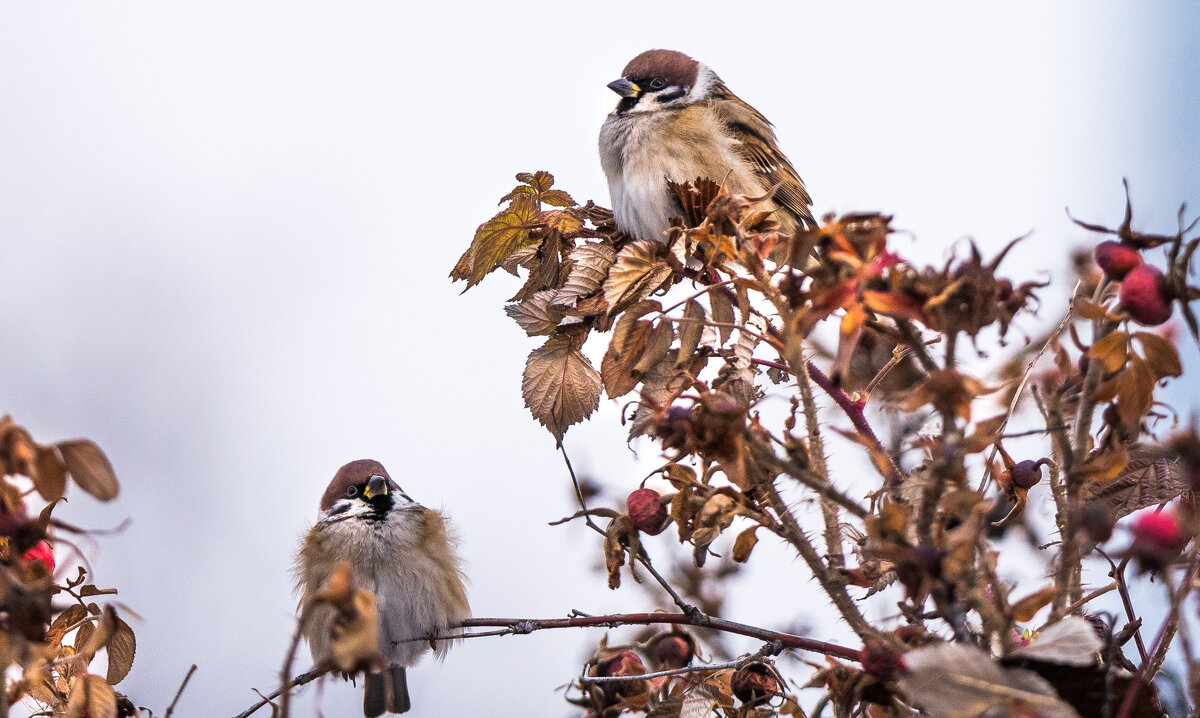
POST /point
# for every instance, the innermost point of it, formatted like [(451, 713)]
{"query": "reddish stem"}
[(854, 411), (788, 640)]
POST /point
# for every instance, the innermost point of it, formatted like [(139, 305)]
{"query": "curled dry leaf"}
[(90, 696), (1070, 642), (640, 269), (744, 544), (355, 641), (560, 386), (691, 328), (1025, 609), (950, 680), (89, 467), (699, 701)]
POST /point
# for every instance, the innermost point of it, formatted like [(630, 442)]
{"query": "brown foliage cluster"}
[(725, 310), (51, 626)]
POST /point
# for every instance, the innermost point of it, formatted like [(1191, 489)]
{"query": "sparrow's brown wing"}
[(758, 144)]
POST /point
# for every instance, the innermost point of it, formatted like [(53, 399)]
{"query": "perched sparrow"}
[(677, 121), (397, 549)]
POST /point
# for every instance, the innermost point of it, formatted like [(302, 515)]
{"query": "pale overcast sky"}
[(225, 229)]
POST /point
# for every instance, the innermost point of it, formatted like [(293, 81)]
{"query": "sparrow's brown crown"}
[(675, 68), (352, 474)]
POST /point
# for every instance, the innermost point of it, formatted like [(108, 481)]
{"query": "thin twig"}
[(1118, 574), (1078, 604), (1012, 405), (578, 491), (1163, 640), (528, 625), (296, 682), (178, 693), (285, 673), (854, 412)]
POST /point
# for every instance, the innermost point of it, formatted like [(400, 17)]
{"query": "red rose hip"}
[(1117, 259), (1144, 296), (646, 511)]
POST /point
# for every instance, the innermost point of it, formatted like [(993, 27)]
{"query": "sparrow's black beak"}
[(624, 88), (376, 486)]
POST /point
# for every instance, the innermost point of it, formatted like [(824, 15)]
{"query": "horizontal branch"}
[(786, 640)]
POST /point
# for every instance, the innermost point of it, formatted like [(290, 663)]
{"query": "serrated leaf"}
[(500, 236), (50, 477), (722, 313), (658, 346), (950, 680), (89, 467), (560, 386), (631, 336), (70, 616), (699, 701), (121, 649), (557, 198), (101, 701), (535, 315), (660, 386), (1070, 642), (589, 267), (1150, 477), (640, 269), (691, 327)]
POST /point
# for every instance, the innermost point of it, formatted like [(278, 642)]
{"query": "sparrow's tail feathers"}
[(399, 702), (374, 694)]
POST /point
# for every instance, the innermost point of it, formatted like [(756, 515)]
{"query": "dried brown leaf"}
[(1151, 476), (1111, 351), (50, 478), (640, 269), (951, 680), (744, 544), (589, 267), (1025, 609), (722, 313), (355, 642), (1161, 355), (535, 314), (658, 346), (121, 649), (89, 467), (500, 236), (560, 386), (631, 336), (691, 328), (699, 701)]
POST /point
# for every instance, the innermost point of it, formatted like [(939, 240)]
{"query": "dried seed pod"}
[(754, 683)]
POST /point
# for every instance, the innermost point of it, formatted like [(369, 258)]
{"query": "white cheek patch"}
[(705, 79), (343, 509)]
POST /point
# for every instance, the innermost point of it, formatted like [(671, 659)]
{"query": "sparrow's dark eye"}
[(352, 491), (658, 83)]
